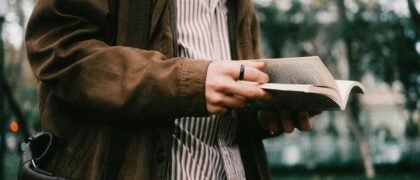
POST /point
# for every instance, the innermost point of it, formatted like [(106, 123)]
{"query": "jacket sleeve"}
[(67, 50)]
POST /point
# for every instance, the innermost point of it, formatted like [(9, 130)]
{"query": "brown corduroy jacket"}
[(110, 67)]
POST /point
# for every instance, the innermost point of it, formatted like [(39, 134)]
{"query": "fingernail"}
[(303, 115), (265, 78), (260, 65)]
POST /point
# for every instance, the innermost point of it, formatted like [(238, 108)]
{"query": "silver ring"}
[(241, 72)]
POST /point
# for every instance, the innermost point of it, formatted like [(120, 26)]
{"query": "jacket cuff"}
[(191, 88)]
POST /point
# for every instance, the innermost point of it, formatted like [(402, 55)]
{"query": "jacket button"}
[(160, 155)]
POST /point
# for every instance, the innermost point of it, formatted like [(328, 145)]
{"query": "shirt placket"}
[(230, 152), (212, 10)]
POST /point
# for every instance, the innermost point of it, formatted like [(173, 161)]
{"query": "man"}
[(128, 88)]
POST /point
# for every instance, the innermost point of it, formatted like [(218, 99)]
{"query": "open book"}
[(305, 83)]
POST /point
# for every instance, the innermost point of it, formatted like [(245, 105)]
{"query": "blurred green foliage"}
[(375, 39)]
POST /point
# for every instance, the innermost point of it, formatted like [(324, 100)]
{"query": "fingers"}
[(284, 120), (248, 91), (233, 101), (269, 121), (314, 113), (299, 119), (276, 121), (255, 64), (253, 74), (219, 104), (302, 120), (252, 70), (222, 90), (215, 109)]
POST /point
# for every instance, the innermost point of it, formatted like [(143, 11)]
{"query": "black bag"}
[(36, 151)]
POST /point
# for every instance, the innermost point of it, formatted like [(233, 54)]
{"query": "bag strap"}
[(36, 151)]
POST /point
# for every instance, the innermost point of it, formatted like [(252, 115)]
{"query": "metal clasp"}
[(33, 163)]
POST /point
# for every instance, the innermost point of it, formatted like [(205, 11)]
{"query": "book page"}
[(286, 87), (297, 101), (346, 87), (299, 97), (304, 84), (300, 70)]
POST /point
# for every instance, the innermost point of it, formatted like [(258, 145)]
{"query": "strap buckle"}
[(33, 163)]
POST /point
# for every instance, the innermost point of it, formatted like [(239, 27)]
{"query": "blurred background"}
[(376, 42)]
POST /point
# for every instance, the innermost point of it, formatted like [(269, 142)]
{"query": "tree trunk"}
[(355, 104), (2, 111), (412, 129), (415, 16)]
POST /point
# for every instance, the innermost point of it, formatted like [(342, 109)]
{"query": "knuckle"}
[(263, 77), (239, 104), (216, 110), (242, 102), (252, 73), (211, 109), (220, 110), (253, 93), (217, 87), (220, 85), (289, 130), (217, 99), (256, 93), (213, 84)]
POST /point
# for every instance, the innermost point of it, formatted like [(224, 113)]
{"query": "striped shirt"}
[(204, 147)]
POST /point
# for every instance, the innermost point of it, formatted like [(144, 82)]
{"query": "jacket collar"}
[(143, 18), (147, 14)]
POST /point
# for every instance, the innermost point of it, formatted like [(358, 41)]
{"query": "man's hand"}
[(223, 90), (283, 120)]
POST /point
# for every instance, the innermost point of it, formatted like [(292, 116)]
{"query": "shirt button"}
[(160, 155)]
